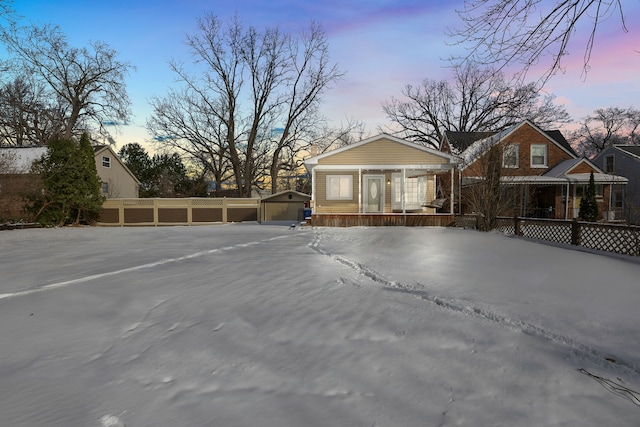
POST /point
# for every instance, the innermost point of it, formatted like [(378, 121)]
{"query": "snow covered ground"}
[(261, 325)]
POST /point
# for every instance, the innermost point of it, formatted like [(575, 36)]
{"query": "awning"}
[(578, 178)]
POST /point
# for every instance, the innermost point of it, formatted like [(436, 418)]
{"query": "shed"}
[(286, 205)]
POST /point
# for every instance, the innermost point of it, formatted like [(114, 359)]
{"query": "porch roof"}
[(389, 167), (577, 178)]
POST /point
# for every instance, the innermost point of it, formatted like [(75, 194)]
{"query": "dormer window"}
[(539, 156)]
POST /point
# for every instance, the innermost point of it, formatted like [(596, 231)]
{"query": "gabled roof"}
[(566, 166), (314, 160), (479, 147), (294, 193), (98, 149), (634, 150), (562, 173)]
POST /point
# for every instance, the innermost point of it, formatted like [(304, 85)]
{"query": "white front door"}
[(373, 193)]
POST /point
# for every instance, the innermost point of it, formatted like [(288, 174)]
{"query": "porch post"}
[(360, 210), (459, 191), (314, 185), (451, 198), (404, 178), (566, 204)]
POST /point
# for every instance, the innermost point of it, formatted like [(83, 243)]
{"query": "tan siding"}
[(323, 205), (121, 184), (382, 152)]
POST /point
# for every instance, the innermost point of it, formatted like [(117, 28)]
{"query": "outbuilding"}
[(286, 205)]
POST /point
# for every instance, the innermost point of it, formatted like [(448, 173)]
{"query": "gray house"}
[(623, 160)]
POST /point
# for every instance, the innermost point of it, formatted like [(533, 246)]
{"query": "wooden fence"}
[(616, 238), (191, 211)]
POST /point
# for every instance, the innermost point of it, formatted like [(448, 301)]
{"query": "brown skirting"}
[(377, 220)]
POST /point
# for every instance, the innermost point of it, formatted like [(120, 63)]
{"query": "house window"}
[(608, 164), (105, 188), (339, 187), (599, 191), (617, 198), (538, 155), (581, 190), (106, 161), (511, 156), (415, 192)]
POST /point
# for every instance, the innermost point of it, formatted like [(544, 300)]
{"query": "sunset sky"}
[(381, 45)]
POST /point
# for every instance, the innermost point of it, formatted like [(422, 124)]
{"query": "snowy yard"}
[(261, 325)]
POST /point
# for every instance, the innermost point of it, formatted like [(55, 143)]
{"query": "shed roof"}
[(287, 195)]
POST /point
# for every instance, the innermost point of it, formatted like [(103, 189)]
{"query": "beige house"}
[(117, 179), (379, 175)]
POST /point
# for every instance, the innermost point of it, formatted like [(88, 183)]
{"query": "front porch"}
[(382, 220)]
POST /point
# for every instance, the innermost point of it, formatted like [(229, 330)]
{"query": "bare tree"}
[(525, 32), (257, 91), (181, 121), (479, 100), (8, 162), (327, 139), (24, 119), (605, 127), (86, 85), (486, 189)]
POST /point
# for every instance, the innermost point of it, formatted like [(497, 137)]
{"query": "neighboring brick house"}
[(623, 160), (545, 174)]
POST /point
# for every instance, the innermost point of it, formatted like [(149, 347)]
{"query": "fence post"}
[(121, 212), (224, 210), (575, 232), (155, 212), (516, 226)]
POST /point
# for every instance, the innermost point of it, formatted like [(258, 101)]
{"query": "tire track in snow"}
[(89, 278), (469, 310)]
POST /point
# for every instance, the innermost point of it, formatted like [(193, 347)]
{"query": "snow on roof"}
[(600, 178), (20, 159), (480, 146)]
